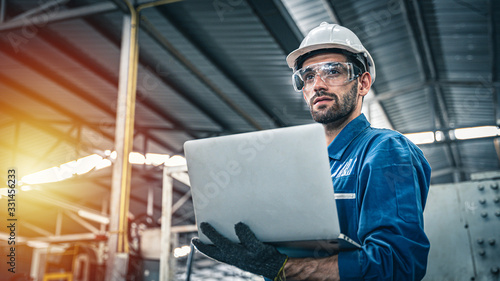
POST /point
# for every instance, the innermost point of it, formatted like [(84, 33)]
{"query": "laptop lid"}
[(276, 181)]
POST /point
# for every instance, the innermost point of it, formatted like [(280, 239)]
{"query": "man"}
[(383, 177)]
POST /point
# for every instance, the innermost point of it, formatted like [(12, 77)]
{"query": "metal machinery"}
[(78, 262), (463, 224)]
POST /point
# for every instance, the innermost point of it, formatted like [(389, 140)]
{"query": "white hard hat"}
[(332, 36)]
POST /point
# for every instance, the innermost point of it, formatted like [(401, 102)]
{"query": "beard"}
[(338, 110)]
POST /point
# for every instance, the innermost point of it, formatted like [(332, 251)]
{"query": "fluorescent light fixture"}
[(37, 244), (182, 251), (86, 164), (476, 132), (421, 138), (156, 159), (136, 158), (439, 136), (93, 217), (65, 171), (103, 164), (43, 176), (176, 160), (107, 152), (113, 155)]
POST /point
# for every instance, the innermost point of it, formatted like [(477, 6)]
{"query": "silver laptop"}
[(276, 181)]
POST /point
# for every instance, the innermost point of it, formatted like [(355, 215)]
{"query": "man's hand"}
[(251, 255)]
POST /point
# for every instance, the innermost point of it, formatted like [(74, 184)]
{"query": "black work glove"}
[(251, 255)]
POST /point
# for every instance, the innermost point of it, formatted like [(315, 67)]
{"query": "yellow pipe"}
[(129, 132), (122, 245)]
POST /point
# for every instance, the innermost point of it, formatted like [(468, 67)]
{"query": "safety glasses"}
[(332, 74)]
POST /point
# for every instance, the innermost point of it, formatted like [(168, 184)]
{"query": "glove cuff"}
[(281, 273)]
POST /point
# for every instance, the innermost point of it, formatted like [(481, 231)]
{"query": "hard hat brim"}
[(293, 56)]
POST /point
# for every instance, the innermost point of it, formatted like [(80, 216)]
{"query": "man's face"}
[(330, 103)]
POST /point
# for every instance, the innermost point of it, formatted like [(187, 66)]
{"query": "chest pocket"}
[(345, 195)]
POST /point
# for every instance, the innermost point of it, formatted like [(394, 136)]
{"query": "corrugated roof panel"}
[(206, 67), (237, 39), (51, 91), (175, 139), (457, 45), (436, 156), (85, 38), (479, 155), (410, 112), (307, 13), (27, 104), (469, 106)]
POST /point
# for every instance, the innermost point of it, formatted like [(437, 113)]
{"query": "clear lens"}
[(332, 74)]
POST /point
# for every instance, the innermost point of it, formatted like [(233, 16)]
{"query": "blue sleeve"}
[(391, 194)]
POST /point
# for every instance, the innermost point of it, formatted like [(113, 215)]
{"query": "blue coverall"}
[(381, 181)]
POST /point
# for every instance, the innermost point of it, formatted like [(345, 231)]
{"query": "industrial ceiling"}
[(217, 67)]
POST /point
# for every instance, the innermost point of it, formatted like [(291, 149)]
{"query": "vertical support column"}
[(150, 206), (2, 11), (166, 222), (124, 134), (102, 244)]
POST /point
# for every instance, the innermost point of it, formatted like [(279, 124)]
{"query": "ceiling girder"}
[(51, 16)]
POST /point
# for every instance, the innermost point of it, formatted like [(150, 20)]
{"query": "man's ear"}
[(365, 83)]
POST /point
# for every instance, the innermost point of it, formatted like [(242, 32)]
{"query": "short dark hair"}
[(356, 59)]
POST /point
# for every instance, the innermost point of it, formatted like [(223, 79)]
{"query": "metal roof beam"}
[(278, 22), (55, 16), (140, 128), (2, 11), (41, 8), (331, 11), (24, 116)]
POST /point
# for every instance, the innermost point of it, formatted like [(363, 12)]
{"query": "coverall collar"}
[(338, 146)]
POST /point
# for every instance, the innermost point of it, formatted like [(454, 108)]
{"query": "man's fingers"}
[(218, 239), (247, 237)]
